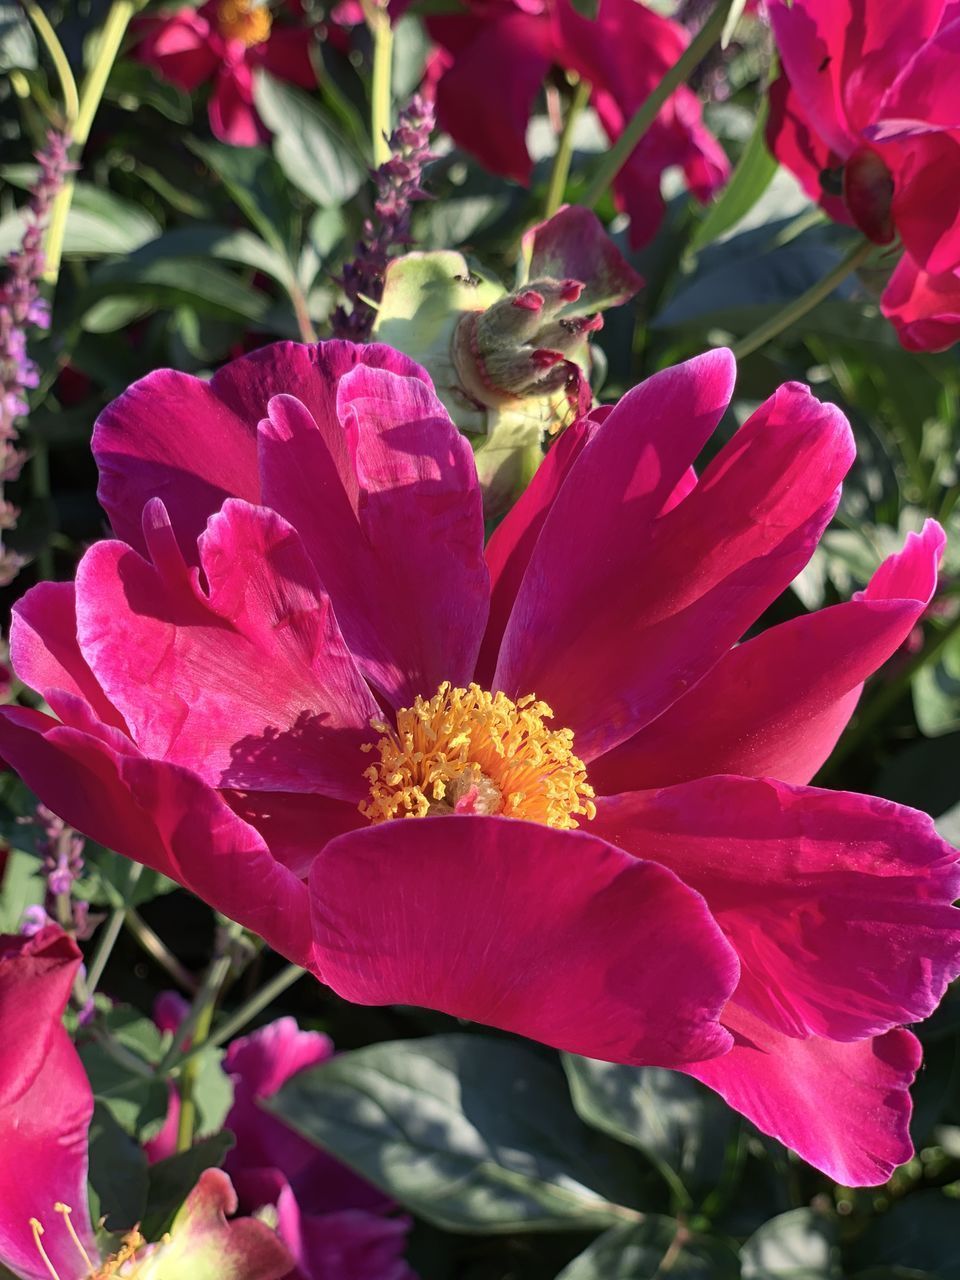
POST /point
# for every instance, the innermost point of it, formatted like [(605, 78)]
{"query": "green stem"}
[(196, 1027), (378, 21), (155, 947), (188, 1079), (561, 161), (647, 112), (111, 36), (249, 1010), (797, 309), (111, 932), (889, 695), (68, 85)]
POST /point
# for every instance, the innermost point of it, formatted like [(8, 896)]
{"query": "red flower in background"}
[(494, 62), (225, 41), (866, 115), (332, 1221), (46, 1104)]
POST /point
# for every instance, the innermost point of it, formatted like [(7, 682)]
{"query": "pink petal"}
[(551, 934), (574, 244), (45, 1107), (811, 39), (259, 1064), (163, 816), (233, 117), (244, 679), (776, 705), (929, 225), (924, 309), (520, 46), (172, 436), (286, 55), (353, 1245), (660, 600), (181, 48), (837, 904), (798, 147), (512, 542), (294, 824), (398, 538), (843, 1107), (45, 653)]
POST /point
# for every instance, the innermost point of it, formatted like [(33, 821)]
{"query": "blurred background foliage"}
[(516, 1161)]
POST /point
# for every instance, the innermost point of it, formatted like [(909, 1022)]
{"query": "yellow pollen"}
[(470, 751), (244, 21), (133, 1242)]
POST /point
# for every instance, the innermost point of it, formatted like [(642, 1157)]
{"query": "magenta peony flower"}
[(46, 1104), (864, 115), (225, 41), (298, 638), (623, 53), (332, 1221)]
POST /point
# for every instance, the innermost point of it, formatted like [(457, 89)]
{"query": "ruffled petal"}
[(610, 588), (398, 537), (845, 1108), (163, 816), (244, 677), (45, 653), (776, 705), (551, 934), (838, 905), (520, 47), (45, 1107), (924, 309)]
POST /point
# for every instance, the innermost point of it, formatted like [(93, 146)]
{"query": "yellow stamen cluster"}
[(470, 751), (115, 1265), (244, 21)]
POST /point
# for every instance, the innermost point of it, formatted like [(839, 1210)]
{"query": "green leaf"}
[(172, 282), (411, 48), (799, 1245), (918, 1232), (22, 886), (316, 159), (134, 84), (936, 691), (18, 45), (172, 1180), (111, 881), (681, 1126), (751, 177), (118, 1173), (654, 1248), (257, 186), (136, 1102), (100, 224), (472, 1133), (212, 1092)]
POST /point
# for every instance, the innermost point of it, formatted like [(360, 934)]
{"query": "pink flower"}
[(865, 115), (226, 41), (623, 54), (277, 654), (46, 1104), (333, 1222)]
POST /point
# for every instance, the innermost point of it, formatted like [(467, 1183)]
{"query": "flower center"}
[(470, 751), (133, 1242), (244, 20)]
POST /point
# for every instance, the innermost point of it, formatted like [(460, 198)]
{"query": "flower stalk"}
[(560, 172), (679, 73), (797, 309)]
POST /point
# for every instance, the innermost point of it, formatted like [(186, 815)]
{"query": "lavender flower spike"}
[(20, 306), (398, 186)]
